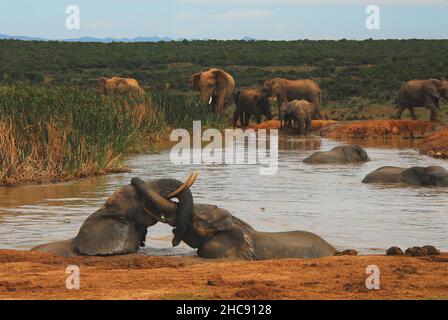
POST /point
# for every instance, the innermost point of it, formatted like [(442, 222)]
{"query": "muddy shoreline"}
[(32, 275)]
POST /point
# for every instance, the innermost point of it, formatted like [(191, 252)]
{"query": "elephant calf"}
[(417, 176), (298, 112), (339, 155), (216, 233), (248, 103)]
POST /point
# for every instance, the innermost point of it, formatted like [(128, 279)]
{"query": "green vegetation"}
[(55, 126), (50, 134), (373, 70)]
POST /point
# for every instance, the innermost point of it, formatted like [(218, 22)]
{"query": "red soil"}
[(407, 129), (436, 145), (33, 275), (275, 124)]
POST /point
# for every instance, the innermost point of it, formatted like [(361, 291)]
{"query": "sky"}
[(227, 19)]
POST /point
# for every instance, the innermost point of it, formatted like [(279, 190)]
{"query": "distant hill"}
[(104, 40)]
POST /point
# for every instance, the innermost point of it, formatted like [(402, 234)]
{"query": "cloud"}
[(244, 14)]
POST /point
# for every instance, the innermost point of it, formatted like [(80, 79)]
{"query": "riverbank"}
[(55, 134), (33, 275)]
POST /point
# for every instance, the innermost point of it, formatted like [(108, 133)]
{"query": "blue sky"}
[(227, 19)]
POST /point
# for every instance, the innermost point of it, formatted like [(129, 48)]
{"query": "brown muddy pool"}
[(329, 200)]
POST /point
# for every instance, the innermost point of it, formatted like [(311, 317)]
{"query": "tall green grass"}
[(50, 134)]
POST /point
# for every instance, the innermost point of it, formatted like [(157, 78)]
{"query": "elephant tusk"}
[(211, 100), (190, 181), (160, 219)]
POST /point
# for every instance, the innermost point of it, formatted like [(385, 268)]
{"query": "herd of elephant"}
[(120, 225), (298, 100)]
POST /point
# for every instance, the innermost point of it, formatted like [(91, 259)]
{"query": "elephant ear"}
[(432, 88), (195, 80), (221, 78)]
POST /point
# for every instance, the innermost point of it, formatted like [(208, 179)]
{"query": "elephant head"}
[(210, 83), (273, 88), (430, 176), (264, 106), (158, 195), (442, 87), (103, 85)]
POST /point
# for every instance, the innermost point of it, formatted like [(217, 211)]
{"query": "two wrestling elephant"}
[(119, 227)]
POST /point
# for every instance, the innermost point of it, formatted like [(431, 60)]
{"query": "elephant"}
[(422, 93), (117, 85), (248, 103), (216, 233), (339, 155), (433, 176), (299, 112), (287, 90), (217, 88), (120, 225)]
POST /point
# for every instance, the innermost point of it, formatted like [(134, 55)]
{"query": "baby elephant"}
[(416, 176), (248, 103), (299, 112), (341, 155)]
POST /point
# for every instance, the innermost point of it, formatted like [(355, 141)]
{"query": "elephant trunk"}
[(178, 214)]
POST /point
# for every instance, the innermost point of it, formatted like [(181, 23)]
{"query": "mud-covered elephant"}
[(298, 113), (433, 176), (248, 103), (287, 90), (422, 93), (339, 155), (120, 225), (216, 233), (117, 85), (217, 88)]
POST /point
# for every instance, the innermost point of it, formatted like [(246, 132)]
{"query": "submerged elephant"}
[(216, 233), (422, 93), (120, 225), (418, 176), (339, 155), (117, 85), (287, 90), (217, 88), (298, 112), (248, 103)]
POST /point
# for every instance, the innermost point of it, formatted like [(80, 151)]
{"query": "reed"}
[(51, 134)]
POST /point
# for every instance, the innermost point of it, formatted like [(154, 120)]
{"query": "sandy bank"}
[(26, 275), (436, 145)]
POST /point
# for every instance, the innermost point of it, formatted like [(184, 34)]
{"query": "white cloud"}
[(244, 14)]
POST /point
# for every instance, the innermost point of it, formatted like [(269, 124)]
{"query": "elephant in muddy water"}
[(298, 112), (339, 155), (248, 103), (216, 233), (217, 88), (117, 85), (422, 93), (120, 225), (287, 90), (417, 176)]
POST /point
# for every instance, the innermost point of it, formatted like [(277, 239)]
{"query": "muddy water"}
[(328, 200)]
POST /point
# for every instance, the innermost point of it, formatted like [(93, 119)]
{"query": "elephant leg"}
[(308, 126), (247, 120), (258, 116), (434, 110), (400, 112), (412, 111)]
